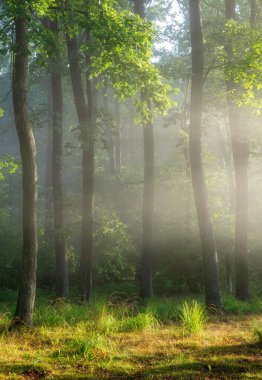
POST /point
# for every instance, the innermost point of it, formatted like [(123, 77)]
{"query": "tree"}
[(118, 137), (62, 289), (146, 288), (26, 294), (240, 152), (110, 138), (87, 136), (211, 277), (253, 12)]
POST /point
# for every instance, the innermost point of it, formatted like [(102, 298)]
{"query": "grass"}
[(193, 317), (258, 334), (116, 337)]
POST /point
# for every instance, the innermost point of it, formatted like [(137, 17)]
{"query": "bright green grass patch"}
[(140, 322), (258, 334), (90, 346), (235, 306), (193, 317)]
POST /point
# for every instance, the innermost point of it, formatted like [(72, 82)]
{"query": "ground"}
[(124, 340)]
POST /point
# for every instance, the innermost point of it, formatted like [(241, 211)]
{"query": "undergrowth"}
[(105, 335)]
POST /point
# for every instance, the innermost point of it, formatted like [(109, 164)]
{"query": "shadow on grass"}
[(215, 362)]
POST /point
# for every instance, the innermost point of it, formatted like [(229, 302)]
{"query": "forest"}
[(130, 189)]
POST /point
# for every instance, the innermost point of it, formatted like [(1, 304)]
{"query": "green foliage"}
[(8, 165), (193, 317), (245, 63), (121, 49), (114, 251)]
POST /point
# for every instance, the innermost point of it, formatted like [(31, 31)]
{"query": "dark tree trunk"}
[(118, 138), (62, 287), (212, 286), (240, 152), (27, 288), (85, 121), (146, 288)]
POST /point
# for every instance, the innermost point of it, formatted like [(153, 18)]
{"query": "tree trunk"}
[(110, 137), (253, 12), (62, 287), (48, 222), (240, 152), (227, 163), (146, 288), (85, 121), (212, 286), (26, 294), (118, 138)]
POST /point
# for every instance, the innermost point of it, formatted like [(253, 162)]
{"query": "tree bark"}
[(62, 283), (253, 12), (118, 138), (240, 152), (110, 138), (85, 121), (26, 294), (211, 277), (48, 222), (146, 287)]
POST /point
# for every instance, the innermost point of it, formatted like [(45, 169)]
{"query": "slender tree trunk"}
[(118, 138), (146, 288), (110, 137), (212, 286), (253, 12), (27, 288), (62, 287), (85, 122), (48, 222), (88, 182), (240, 152), (227, 163)]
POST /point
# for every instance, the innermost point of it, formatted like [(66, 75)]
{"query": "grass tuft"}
[(107, 322), (92, 346), (258, 335), (193, 316), (140, 322)]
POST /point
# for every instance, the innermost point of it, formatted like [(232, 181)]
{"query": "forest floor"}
[(117, 338)]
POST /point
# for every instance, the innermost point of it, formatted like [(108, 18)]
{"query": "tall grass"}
[(258, 335), (140, 322), (193, 317), (235, 306)]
